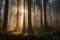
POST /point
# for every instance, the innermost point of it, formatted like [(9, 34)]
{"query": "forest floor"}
[(43, 35)]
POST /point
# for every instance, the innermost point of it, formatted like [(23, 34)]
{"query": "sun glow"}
[(22, 12), (13, 21), (20, 20)]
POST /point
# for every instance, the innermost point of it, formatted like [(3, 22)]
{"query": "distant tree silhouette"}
[(17, 11), (49, 4), (50, 15)]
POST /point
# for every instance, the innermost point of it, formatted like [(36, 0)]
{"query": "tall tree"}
[(24, 19), (46, 26), (17, 11), (29, 17), (34, 13), (45, 18), (5, 15), (41, 13), (0, 12), (0, 7), (49, 4)]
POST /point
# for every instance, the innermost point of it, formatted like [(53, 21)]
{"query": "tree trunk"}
[(45, 18), (5, 15), (17, 11), (34, 13), (0, 7), (24, 19), (41, 15), (29, 17), (0, 14)]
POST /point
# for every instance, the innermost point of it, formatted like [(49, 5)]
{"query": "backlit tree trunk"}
[(45, 18), (5, 15), (24, 19), (29, 17)]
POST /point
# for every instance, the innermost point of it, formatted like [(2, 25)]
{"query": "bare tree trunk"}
[(45, 18), (29, 17), (41, 15), (17, 11), (0, 14), (0, 7), (34, 13), (24, 19), (5, 15)]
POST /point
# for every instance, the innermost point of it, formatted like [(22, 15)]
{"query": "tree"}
[(17, 11), (50, 15), (34, 13), (45, 18), (0, 13), (46, 26), (41, 14), (24, 19), (49, 4), (29, 18), (0, 7), (5, 15)]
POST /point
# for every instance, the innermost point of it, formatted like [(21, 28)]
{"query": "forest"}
[(30, 19)]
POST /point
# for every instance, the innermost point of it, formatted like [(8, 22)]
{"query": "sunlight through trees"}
[(29, 16)]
